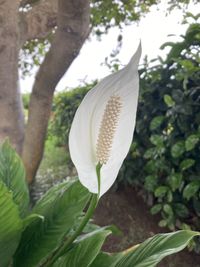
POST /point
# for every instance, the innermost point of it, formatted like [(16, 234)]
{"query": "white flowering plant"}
[(53, 233)]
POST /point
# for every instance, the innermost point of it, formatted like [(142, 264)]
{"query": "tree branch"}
[(73, 29), (39, 21)]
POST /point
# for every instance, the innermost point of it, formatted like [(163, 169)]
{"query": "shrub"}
[(165, 155), (64, 107)]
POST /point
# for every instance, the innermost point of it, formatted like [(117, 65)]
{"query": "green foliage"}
[(11, 225), (105, 259), (12, 174), (191, 142), (149, 253), (52, 234), (85, 249), (106, 14), (32, 54), (54, 156), (191, 189), (64, 107), (167, 133), (60, 206), (154, 249)]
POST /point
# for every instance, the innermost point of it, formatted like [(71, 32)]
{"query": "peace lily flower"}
[(103, 126)]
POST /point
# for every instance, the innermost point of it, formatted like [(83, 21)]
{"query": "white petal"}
[(85, 127)]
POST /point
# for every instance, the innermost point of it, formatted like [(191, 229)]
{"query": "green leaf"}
[(61, 206), (154, 249), (175, 180), (161, 191), (185, 226), (191, 142), (191, 189), (31, 218), (178, 149), (169, 196), (168, 209), (163, 46), (162, 223), (106, 259), (84, 250), (156, 208), (181, 210), (156, 122), (151, 183), (175, 51), (10, 226), (157, 140), (187, 64), (13, 176), (149, 153), (169, 101), (186, 164)]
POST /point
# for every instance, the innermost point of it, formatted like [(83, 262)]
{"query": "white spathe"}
[(86, 124)]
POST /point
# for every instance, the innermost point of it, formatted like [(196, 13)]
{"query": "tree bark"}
[(23, 3), (73, 29), (39, 21), (11, 112)]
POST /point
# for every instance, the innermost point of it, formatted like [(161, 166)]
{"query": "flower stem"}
[(64, 246), (67, 242), (98, 172)]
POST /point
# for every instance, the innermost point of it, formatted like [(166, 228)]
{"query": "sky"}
[(152, 30)]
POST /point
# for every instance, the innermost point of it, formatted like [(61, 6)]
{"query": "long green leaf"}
[(13, 175), (10, 225), (84, 250), (106, 260), (154, 249), (60, 208)]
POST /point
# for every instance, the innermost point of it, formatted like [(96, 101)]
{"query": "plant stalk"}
[(66, 243), (64, 246)]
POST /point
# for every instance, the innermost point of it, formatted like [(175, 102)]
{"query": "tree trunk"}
[(73, 29), (11, 112)]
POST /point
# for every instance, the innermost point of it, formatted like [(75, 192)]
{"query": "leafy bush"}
[(64, 107), (167, 140), (165, 155)]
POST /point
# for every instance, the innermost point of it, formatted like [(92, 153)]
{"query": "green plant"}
[(171, 132), (52, 233), (31, 237)]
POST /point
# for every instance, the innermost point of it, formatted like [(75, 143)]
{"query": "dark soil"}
[(127, 210)]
